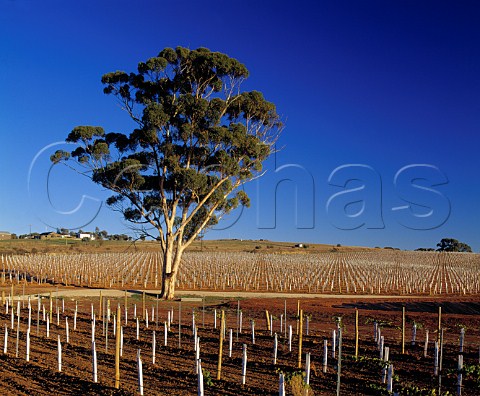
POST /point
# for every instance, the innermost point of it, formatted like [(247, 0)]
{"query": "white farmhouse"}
[(86, 235)]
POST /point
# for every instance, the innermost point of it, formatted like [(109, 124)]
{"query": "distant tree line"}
[(449, 245)]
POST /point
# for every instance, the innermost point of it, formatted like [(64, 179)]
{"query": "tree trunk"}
[(169, 274), (168, 286)]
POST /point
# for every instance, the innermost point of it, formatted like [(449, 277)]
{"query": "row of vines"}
[(387, 273)]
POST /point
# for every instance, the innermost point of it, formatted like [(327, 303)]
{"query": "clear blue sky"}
[(384, 84)]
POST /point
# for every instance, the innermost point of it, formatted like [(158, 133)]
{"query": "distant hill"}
[(30, 246), (266, 246)]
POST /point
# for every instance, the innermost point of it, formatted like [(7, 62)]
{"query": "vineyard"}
[(377, 273), (87, 323)]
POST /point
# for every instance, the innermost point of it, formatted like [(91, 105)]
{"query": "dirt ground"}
[(174, 370)]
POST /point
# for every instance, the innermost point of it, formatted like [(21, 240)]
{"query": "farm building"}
[(50, 235), (5, 235), (83, 235)]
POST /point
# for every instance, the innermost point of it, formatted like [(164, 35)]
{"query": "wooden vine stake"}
[(180, 325), (39, 303), (220, 347), (300, 339), (440, 362), (298, 313), (238, 317), (339, 362), (143, 305), (50, 313), (100, 304), (267, 316), (126, 308), (439, 322), (403, 330), (18, 329), (117, 348), (356, 333)]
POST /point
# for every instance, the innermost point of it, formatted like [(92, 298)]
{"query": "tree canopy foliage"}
[(452, 245), (198, 138)]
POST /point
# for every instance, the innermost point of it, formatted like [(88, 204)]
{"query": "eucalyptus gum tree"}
[(198, 138)]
